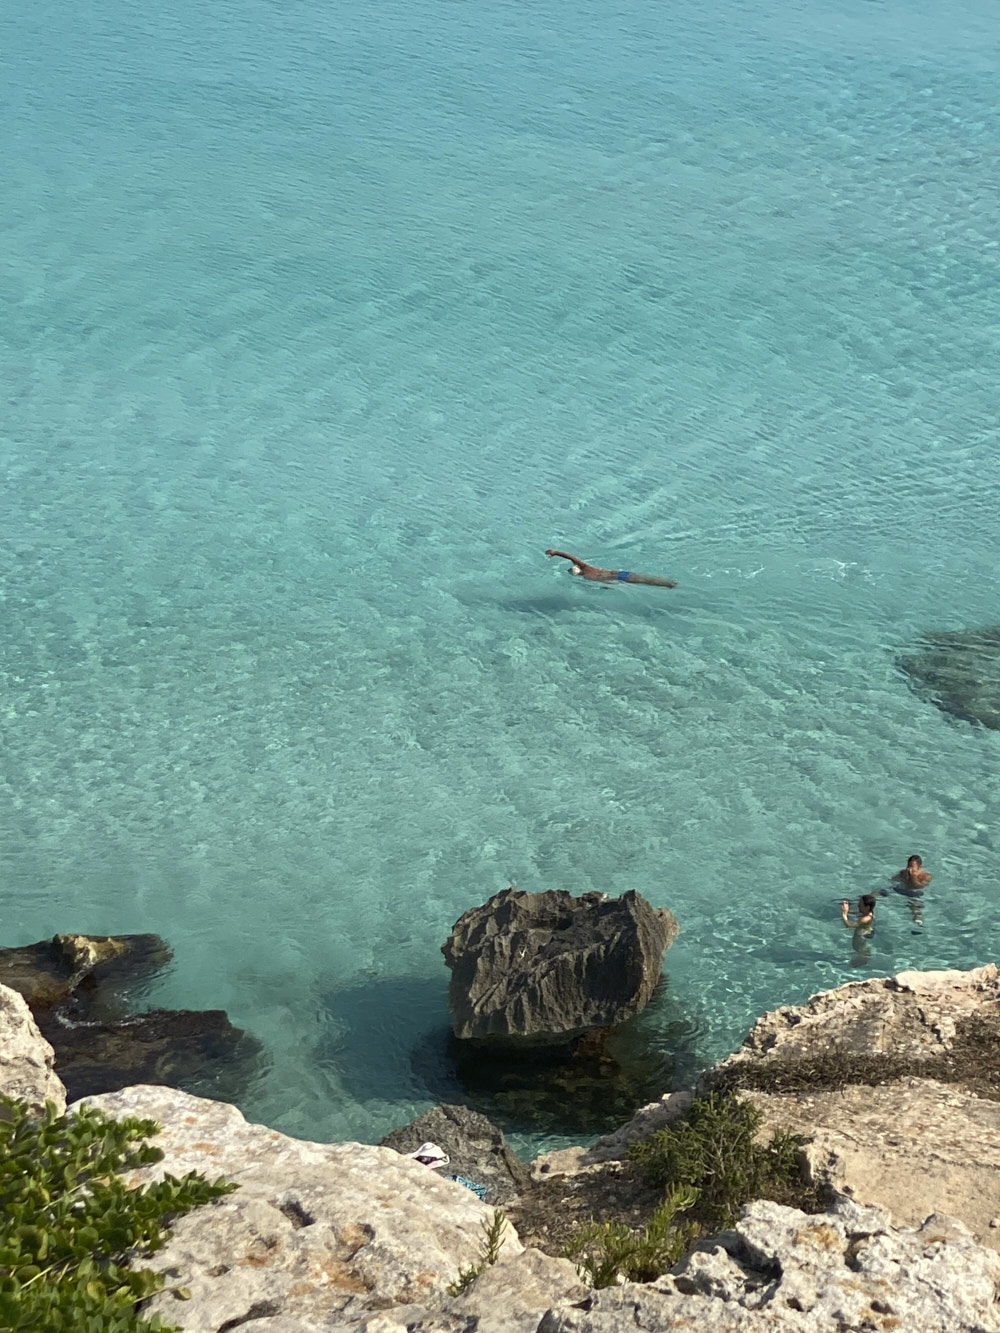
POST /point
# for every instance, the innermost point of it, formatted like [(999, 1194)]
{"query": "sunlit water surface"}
[(321, 323)]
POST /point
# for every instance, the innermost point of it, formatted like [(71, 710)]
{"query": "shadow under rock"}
[(394, 1040), (586, 1087), (589, 601), (377, 1026)]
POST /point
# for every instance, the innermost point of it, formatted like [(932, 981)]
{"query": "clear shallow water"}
[(320, 325)]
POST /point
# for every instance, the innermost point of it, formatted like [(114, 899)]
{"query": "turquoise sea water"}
[(320, 323)]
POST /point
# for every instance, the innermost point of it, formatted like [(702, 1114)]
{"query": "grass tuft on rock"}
[(489, 1252), (607, 1253), (70, 1227)]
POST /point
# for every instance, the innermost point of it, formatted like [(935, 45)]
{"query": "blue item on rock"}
[(479, 1190)]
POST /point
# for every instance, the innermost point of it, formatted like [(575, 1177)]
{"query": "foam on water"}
[(321, 323)]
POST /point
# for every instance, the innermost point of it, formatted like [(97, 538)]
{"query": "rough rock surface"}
[(342, 1238), (943, 1025), (476, 1147), (510, 1297), (613, 1147), (26, 1058), (851, 1067), (81, 988), (781, 1271), (548, 965), (915, 1146), (322, 1233), (347, 1239), (898, 1082), (49, 972)]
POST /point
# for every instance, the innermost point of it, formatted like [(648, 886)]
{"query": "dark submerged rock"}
[(94, 969), (476, 1147), (549, 966), (583, 1087), (959, 672), (81, 988), (197, 1050)]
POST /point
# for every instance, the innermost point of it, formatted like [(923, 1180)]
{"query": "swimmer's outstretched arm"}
[(612, 575), (593, 572)]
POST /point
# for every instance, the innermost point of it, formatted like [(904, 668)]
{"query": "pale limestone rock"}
[(912, 1017), (511, 1296), (547, 965), (26, 1058), (323, 1233), (915, 1146), (909, 1140), (781, 1271)]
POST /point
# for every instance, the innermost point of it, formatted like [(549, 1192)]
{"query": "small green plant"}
[(489, 1252), (69, 1224), (610, 1252), (713, 1149)]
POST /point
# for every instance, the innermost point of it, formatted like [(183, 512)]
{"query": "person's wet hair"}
[(866, 904)]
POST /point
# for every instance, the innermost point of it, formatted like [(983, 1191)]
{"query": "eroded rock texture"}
[(343, 1238), (82, 991), (548, 965), (26, 1058), (941, 1025), (780, 1271), (315, 1229)]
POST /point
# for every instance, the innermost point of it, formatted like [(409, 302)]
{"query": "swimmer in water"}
[(598, 575), (911, 882), (862, 925), (913, 876)]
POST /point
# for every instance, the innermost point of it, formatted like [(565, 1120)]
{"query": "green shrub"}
[(610, 1252), (489, 1252), (69, 1224), (713, 1150)]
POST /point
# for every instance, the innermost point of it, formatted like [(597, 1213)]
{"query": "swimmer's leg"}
[(651, 580)]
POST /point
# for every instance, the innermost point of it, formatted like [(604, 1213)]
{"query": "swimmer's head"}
[(575, 569), (913, 863)]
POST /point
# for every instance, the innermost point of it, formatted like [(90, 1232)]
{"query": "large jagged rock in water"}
[(548, 965), (959, 671)]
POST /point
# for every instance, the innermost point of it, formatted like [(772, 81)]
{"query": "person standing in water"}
[(913, 876), (862, 925), (598, 575), (911, 882)]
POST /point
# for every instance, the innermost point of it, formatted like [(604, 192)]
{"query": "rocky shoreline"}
[(896, 1080)]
